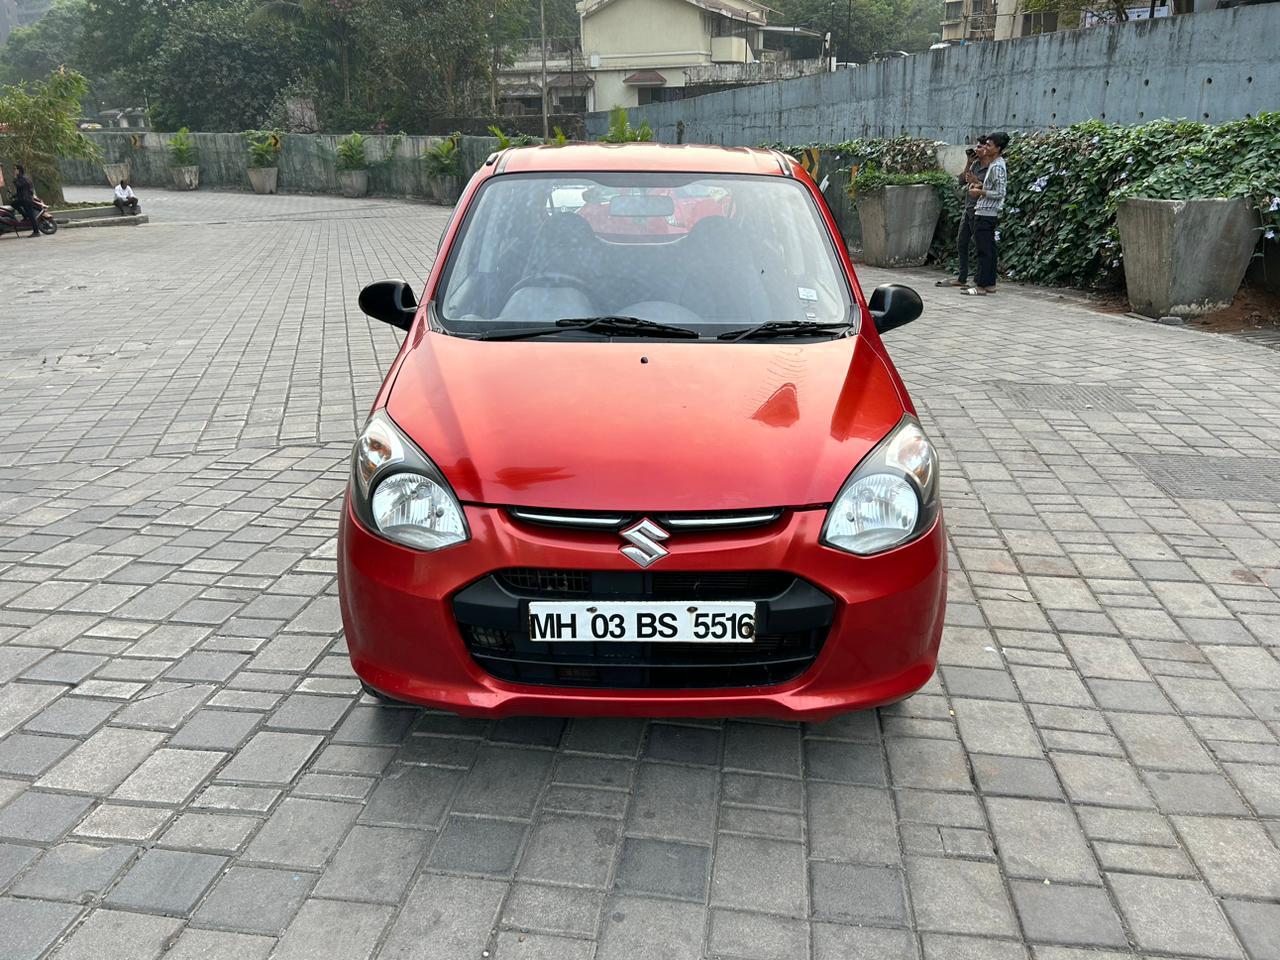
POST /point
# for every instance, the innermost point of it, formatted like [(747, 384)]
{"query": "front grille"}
[(793, 620), (667, 585)]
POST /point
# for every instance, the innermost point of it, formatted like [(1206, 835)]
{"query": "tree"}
[(39, 124), (120, 39), (329, 21), (33, 52), (218, 69), (861, 28)]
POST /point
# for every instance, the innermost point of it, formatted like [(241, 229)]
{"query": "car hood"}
[(644, 426)]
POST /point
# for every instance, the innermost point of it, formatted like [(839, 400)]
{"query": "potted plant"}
[(183, 166), (444, 170), (898, 214), (264, 149), (353, 166), (116, 172)]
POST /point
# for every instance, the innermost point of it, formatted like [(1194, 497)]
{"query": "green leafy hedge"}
[(1065, 184)]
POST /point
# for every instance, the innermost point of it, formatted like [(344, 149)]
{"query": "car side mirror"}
[(391, 301), (893, 305)]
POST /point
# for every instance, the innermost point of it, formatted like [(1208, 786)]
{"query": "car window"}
[(706, 252)]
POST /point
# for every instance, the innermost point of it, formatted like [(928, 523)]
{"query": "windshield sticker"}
[(807, 293)]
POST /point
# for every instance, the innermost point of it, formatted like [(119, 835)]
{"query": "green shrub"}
[(1058, 223), (516, 140), (351, 152), (444, 160), (621, 131), (182, 149), (264, 147)]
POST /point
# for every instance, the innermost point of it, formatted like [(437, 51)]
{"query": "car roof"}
[(657, 157)]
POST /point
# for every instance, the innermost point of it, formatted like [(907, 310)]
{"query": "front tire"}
[(47, 225)]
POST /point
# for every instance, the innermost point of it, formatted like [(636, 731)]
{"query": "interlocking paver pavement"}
[(187, 764)]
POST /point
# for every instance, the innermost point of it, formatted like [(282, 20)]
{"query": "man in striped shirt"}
[(990, 197)]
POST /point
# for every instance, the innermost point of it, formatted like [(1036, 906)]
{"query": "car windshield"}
[(706, 252)]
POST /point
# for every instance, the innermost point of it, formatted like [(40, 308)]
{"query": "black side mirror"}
[(893, 305), (391, 301)]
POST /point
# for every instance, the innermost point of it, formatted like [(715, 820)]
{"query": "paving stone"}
[(837, 942), (1161, 743), (654, 929), (23, 700), (753, 873), (1057, 913), (215, 730), (254, 900), (1101, 780), (444, 918), (547, 909), (759, 937), (945, 946), (165, 705), (536, 946), (29, 755), (32, 925), (112, 821), (1173, 916), (271, 757), (330, 928), (304, 712), (955, 896), (475, 845), (209, 832), (102, 762), (412, 797), (852, 893), (1207, 793), (932, 764), (1257, 925), (504, 781), (762, 748), (166, 881), (844, 762), (1016, 777), (617, 737), (74, 872), (681, 744), (852, 823), (989, 726), (677, 870), (14, 858), (41, 817), (375, 725), (302, 833), (1040, 839), (675, 803), (72, 716), (1217, 846), (373, 863), (169, 776), (570, 849), (195, 944)]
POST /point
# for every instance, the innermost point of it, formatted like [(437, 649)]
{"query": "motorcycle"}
[(14, 222)]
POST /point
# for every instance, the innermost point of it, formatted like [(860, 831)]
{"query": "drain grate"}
[(1211, 478), (1061, 396)]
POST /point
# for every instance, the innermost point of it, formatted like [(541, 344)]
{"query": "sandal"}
[(973, 292), (950, 282)]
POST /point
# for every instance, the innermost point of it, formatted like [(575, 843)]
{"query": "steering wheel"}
[(552, 278)]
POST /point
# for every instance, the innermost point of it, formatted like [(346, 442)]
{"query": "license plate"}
[(642, 622)]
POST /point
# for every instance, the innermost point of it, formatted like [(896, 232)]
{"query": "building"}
[(646, 51), (975, 20), (519, 88)]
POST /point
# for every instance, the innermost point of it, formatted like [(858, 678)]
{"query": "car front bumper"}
[(401, 611)]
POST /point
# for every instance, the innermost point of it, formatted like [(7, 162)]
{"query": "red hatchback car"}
[(642, 453)]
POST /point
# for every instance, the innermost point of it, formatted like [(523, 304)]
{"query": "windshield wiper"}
[(783, 328), (609, 325)]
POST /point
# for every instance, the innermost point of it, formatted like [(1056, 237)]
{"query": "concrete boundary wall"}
[(307, 162), (1215, 66)]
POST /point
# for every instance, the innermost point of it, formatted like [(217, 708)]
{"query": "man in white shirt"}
[(126, 202)]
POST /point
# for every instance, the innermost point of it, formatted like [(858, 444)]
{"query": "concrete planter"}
[(898, 224), (1185, 257), (263, 179), (353, 183), (116, 172), (445, 190), (185, 178)]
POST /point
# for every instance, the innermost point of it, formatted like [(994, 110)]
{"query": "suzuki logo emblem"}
[(645, 548)]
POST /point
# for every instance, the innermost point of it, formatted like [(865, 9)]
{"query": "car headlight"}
[(399, 493), (891, 497)]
